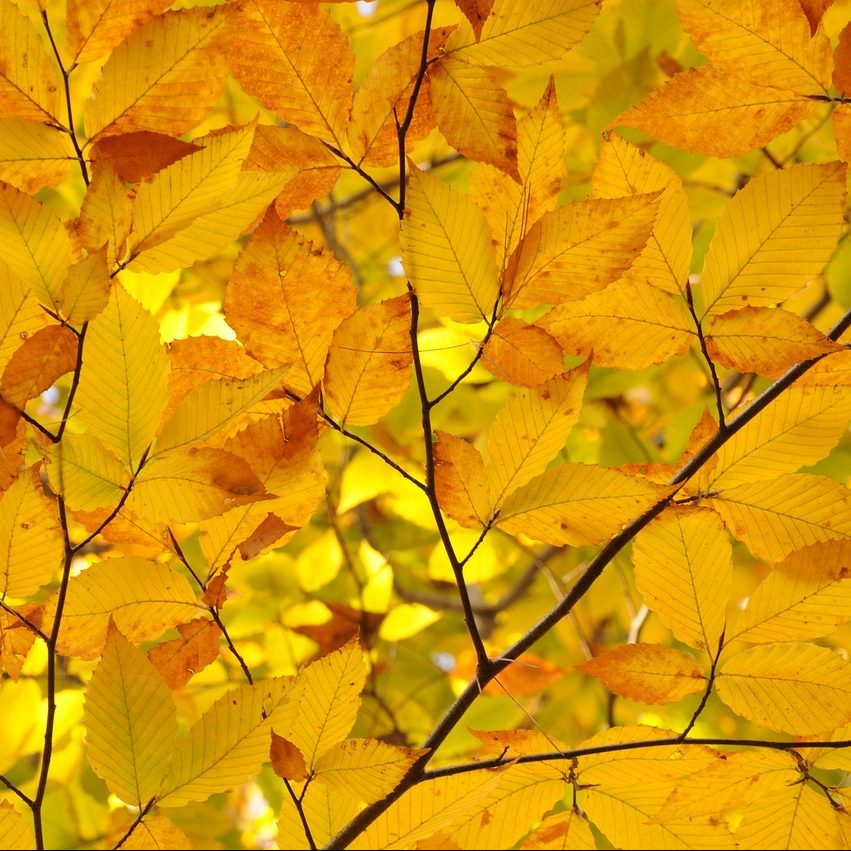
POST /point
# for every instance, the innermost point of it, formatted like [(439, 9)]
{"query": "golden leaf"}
[(179, 659), (561, 831), (15, 833), (33, 155), (460, 480), (37, 363), (522, 354)]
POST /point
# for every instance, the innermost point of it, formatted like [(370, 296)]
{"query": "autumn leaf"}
[(179, 659)]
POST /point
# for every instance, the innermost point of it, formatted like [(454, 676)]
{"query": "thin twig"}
[(710, 682), (299, 805), (361, 171), (138, 820), (719, 404), (13, 788)]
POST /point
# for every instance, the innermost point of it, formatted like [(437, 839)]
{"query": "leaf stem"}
[(710, 682), (716, 384)]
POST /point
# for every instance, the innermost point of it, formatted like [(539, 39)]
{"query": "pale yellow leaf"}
[(474, 113), (285, 298), (326, 810), (212, 232), (519, 33), (130, 720), (579, 249), (367, 768), (123, 382), (155, 833), (85, 292), (530, 431), (191, 483), (435, 806), (795, 430), (794, 688), (297, 61), (85, 472), (31, 544), (460, 480), (95, 27), (766, 42), (229, 743), (622, 170), (185, 190), (106, 214), (143, 597), (578, 504), (774, 237), (36, 248), (385, 93), (15, 832), (164, 77), (523, 354), (776, 518), (567, 830), (30, 84), (33, 155), (446, 249), (328, 696), (764, 341), (684, 571), (806, 596), (368, 366), (714, 110), (213, 405), (628, 325), (646, 672)]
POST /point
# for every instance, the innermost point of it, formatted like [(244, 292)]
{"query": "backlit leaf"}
[(136, 156), (33, 154), (523, 354), (37, 363), (460, 480), (15, 833), (326, 809), (85, 292), (156, 832), (179, 659), (561, 831)]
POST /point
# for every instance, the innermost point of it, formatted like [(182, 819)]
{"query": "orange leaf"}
[(646, 672), (287, 760), (476, 12), (525, 676), (43, 357), (16, 637), (135, 156), (842, 62), (216, 594), (460, 480), (345, 624), (522, 354), (179, 659)]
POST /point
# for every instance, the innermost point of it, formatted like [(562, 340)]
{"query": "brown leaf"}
[(135, 156), (177, 660), (287, 761), (216, 594), (345, 624)]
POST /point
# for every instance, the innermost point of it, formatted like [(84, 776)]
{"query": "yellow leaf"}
[(106, 214), (561, 831), (42, 358), (474, 113), (33, 155), (524, 792), (36, 248), (842, 131), (578, 504), (212, 232), (806, 596), (385, 93), (285, 298), (183, 485), (295, 59), (579, 249), (20, 315), (186, 190), (518, 33), (30, 537), (797, 429), (794, 511), (30, 84), (328, 696), (17, 638), (15, 832), (84, 472), (179, 659), (629, 325), (326, 810), (85, 292), (794, 688), (774, 237), (229, 743), (446, 249), (124, 378), (684, 571), (368, 768), (213, 405), (714, 110), (143, 597), (435, 806), (368, 366), (509, 208), (522, 354), (622, 170), (764, 41), (832, 370), (95, 27), (764, 341), (131, 722), (530, 431), (164, 77), (156, 832), (460, 480)]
